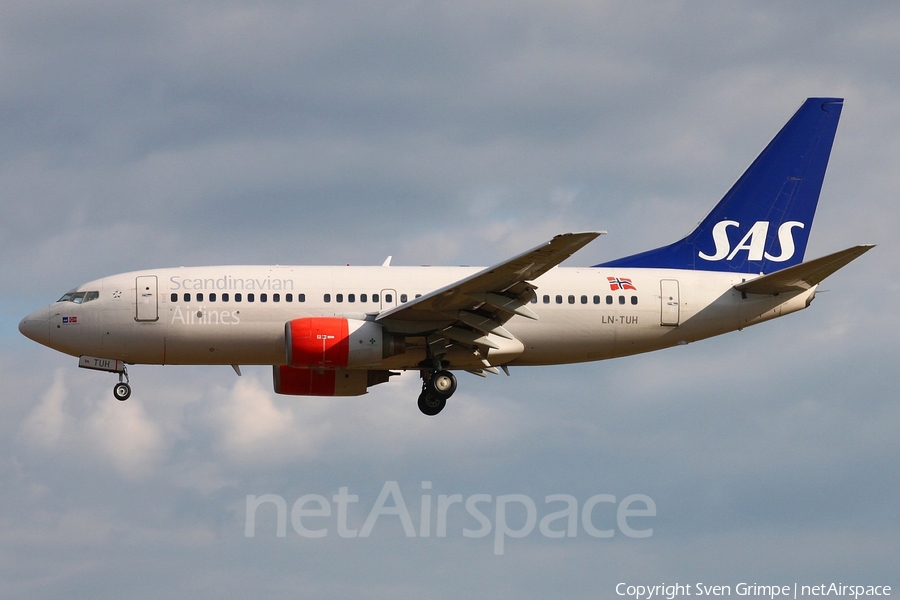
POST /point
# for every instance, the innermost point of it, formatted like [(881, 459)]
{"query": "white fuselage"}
[(181, 315), (337, 331)]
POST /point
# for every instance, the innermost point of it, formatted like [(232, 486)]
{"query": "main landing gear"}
[(437, 386), (122, 391)]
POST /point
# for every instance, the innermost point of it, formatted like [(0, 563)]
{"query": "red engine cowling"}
[(319, 350), (319, 382), (325, 382), (333, 343)]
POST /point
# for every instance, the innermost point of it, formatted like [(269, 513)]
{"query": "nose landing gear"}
[(122, 391)]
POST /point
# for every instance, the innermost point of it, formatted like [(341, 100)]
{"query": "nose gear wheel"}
[(122, 390)]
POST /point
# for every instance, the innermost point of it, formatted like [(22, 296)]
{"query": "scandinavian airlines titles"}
[(753, 242), (227, 282)]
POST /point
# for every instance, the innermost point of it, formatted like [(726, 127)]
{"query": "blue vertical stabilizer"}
[(763, 222)]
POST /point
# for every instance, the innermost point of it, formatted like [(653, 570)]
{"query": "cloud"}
[(46, 422), (254, 427), (70, 422), (254, 430), (133, 443)]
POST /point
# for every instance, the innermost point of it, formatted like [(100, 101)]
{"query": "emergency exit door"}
[(388, 299)]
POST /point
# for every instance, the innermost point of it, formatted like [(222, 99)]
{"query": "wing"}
[(803, 276), (472, 311)]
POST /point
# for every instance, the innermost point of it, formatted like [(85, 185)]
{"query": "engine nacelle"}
[(319, 382), (334, 343), (325, 382)]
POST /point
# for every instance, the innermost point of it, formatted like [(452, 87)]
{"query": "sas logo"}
[(620, 283), (754, 242)]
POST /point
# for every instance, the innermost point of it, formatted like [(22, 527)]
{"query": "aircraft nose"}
[(36, 326)]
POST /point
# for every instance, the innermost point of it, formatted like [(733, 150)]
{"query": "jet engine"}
[(319, 350), (325, 382), (336, 342)]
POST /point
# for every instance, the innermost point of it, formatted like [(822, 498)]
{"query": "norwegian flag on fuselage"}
[(620, 283)]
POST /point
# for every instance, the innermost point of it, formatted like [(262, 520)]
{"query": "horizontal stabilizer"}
[(803, 276)]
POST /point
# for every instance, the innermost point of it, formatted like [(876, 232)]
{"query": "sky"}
[(144, 135)]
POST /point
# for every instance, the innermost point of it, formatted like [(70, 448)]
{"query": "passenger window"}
[(559, 299), (596, 299), (374, 297), (621, 299), (403, 298), (212, 296), (263, 297), (173, 297), (301, 297), (634, 299), (351, 297), (276, 297), (609, 299), (288, 297), (534, 300), (327, 297), (224, 296), (187, 297), (388, 298), (571, 299), (340, 297), (546, 299), (251, 297), (237, 296), (199, 296), (584, 299), (363, 298), (418, 295)]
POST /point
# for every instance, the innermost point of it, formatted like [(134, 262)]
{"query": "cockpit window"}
[(79, 297)]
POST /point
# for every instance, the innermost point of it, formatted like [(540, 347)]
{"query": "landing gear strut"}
[(122, 391), (436, 388)]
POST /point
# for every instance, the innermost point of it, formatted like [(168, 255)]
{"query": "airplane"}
[(339, 330)]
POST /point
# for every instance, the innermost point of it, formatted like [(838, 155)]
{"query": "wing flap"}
[(803, 276), (486, 286)]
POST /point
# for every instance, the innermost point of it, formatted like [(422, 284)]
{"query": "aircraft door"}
[(388, 299), (670, 302), (145, 299)]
